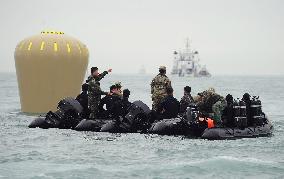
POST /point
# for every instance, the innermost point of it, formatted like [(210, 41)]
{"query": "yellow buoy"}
[(49, 66)]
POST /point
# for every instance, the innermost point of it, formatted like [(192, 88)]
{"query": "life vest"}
[(210, 123)]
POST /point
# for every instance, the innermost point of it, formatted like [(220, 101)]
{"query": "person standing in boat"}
[(186, 100), (94, 90), (158, 87)]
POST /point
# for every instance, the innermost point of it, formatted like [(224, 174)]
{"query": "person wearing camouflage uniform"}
[(211, 104), (186, 100), (94, 90), (158, 87)]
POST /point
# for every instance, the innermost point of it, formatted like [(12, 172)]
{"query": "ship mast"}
[(187, 44)]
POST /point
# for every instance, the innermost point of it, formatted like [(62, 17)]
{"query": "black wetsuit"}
[(121, 107), (110, 101), (83, 100), (228, 115), (169, 107), (250, 120)]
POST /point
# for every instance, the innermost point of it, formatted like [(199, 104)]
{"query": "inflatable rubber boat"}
[(218, 133), (139, 119), (136, 120), (179, 126)]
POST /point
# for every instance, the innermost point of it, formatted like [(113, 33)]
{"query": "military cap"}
[(162, 68), (118, 84), (211, 90)]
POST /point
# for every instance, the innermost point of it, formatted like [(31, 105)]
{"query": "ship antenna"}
[(187, 43)]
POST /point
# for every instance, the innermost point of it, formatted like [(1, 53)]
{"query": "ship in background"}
[(187, 63)]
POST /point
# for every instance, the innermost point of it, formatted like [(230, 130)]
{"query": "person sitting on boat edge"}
[(169, 106), (186, 100), (109, 101), (121, 107)]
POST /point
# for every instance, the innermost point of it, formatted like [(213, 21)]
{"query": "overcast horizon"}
[(242, 37)]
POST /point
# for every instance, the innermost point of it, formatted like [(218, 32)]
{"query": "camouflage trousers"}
[(217, 109), (93, 103), (157, 99)]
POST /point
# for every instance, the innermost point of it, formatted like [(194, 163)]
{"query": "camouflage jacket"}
[(185, 101), (94, 84), (159, 85), (207, 101)]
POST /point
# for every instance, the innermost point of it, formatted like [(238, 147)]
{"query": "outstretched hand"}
[(109, 70)]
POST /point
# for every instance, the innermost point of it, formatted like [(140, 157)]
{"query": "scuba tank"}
[(236, 107), (243, 111), (191, 113), (256, 111), (240, 115)]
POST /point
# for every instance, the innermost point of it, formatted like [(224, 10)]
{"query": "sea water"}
[(58, 153)]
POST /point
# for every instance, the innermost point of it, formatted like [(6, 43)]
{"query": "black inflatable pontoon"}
[(264, 130), (66, 117), (178, 126), (139, 120)]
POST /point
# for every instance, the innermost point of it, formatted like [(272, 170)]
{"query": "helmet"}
[(162, 68)]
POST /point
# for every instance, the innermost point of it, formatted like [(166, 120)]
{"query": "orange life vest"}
[(210, 123)]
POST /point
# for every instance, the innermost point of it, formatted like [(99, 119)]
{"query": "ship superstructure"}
[(187, 63)]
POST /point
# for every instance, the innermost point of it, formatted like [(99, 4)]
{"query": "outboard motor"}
[(67, 116), (256, 111), (136, 119), (240, 115)]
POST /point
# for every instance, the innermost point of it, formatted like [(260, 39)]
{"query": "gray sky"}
[(232, 36)]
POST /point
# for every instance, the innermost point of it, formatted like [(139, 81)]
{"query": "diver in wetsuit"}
[(186, 100), (109, 102), (121, 107), (247, 100), (124, 103), (228, 112), (83, 100), (169, 107)]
